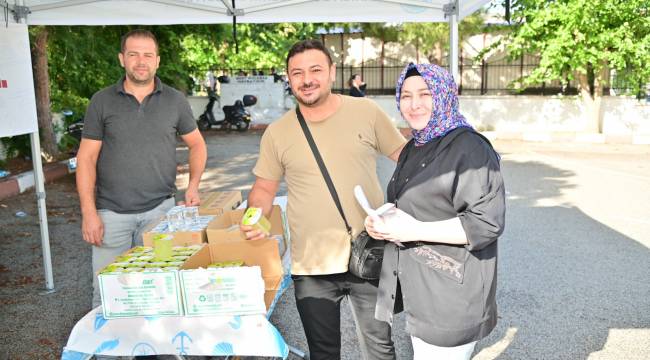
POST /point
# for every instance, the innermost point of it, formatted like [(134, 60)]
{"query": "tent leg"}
[(301, 354), (39, 185), (453, 44)]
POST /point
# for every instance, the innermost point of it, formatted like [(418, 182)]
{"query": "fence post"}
[(460, 74), (363, 57), (342, 64), (483, 77)]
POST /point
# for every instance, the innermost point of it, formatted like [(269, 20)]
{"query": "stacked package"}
[(142, 258)]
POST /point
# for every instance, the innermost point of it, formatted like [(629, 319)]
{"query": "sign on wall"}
[(17, 100), (271, 100)]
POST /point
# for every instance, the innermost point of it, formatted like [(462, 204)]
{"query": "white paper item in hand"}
[(363, 201)]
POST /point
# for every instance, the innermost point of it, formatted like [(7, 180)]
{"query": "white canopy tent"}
[(167, 12)]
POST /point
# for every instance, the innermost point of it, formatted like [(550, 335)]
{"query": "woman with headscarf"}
[(440, 257), (357, 86)]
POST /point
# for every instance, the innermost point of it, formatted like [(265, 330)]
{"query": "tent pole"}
[(39, 184), (451, 10)]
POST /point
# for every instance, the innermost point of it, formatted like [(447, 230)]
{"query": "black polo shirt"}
[(136, 169)]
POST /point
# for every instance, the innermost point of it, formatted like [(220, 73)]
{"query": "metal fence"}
[(491, 77)]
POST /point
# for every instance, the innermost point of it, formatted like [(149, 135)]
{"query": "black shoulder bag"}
[(367, 253)]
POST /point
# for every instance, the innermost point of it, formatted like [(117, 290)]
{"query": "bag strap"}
[(321, 166)]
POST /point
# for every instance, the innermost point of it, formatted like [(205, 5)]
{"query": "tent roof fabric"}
[(159, 12)]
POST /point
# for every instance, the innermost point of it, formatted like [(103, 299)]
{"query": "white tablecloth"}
[(249, 335)]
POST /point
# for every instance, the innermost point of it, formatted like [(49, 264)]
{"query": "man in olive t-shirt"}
[(126, 164), (349, 132)]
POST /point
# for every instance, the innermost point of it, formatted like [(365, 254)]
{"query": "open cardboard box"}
[(138, 294), (181, 238), (212, 203), (225, 228), (261, 253), (218, 202)]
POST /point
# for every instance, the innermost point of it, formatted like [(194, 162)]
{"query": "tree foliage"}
[(582, 37), (83, 59), (432, 39)]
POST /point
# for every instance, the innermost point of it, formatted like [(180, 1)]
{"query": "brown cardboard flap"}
[(218, 202), (218, 229), (200, 259)]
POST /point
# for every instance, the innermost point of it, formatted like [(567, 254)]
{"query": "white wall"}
[(518, 114), (621, 116)]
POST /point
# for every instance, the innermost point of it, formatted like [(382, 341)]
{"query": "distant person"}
[(320, 240), (276, 77), (126, 164), (212, 83), (357, 86), (449, 212)]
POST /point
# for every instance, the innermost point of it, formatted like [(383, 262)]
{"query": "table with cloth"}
[(242, 335)]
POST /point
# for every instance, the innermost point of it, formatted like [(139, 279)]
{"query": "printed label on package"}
[(140, 294), (234, 291)]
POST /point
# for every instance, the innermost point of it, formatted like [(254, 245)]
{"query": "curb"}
[(22, 182)]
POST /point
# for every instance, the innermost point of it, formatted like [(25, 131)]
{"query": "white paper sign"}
[(140, 294), (270, 96), (17, 100), (233, 290)]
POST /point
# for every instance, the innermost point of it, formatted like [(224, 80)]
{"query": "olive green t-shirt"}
[(348, 141)]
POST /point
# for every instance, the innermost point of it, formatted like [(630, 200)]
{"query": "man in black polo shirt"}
[(126, 164)]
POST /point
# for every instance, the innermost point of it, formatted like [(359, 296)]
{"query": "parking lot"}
[(574, 260)]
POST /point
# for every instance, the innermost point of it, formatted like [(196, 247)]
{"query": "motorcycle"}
[(74, 130), (228, 117)]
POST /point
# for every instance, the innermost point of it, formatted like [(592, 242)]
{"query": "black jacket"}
[(358, 92), (447, 291)]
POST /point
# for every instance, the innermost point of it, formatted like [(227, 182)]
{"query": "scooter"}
[(228, 117), (75, 129)]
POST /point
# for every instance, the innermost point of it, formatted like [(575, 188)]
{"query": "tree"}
[(49, 147), (432, 39), (579, 40), (71, 63)]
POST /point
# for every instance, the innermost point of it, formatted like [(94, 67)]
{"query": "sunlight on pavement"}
[(493, 351)]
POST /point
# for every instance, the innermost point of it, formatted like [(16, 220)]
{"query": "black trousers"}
[(318, 298)]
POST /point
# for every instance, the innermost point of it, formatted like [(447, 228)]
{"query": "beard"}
[(316, 99), (140, 79)]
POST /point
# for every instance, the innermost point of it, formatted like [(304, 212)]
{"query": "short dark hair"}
[(304, 45), (351, 79), (138, 33)]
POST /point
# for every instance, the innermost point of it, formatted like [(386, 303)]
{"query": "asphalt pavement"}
[(574, 261)]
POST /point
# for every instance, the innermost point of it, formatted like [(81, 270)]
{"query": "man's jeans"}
[(121, 232), (318, 298)]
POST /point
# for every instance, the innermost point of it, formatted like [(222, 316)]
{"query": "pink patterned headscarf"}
[(445, 115)]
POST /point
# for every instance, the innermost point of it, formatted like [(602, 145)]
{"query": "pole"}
[(39, 185), (453, 42)]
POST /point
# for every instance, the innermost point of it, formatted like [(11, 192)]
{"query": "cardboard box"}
[(212, 204), (195, 236), (218, 202), (149, 293), (181, 238), (222, 291), (225, 228), (230, 245)]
